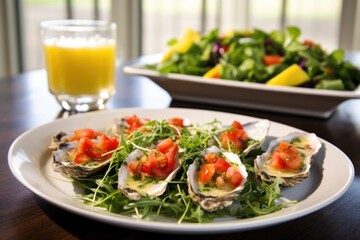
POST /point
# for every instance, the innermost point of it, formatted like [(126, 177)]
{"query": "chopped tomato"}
[(218, 170), (234, 176), (177, 122), (283, 146), (82, 158), (221, 165), (90, 148), (158, 163), (95, 149), (165, 145), (286, 156), (237, 125), (133, 166), (145, 167), (235, 137), (108, 144), (134, 123), (206, 173), (277, 162), (85, 132), (272, 60), (309, 43), (211, 157)]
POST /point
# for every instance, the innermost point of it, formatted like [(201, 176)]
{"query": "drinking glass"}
[(80, 57)]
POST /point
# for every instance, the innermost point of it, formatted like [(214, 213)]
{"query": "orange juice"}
[(75, 68)]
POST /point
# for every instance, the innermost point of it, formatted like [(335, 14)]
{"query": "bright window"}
[(163, 20)]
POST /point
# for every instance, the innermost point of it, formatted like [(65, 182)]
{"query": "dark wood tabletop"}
[(25, 103)]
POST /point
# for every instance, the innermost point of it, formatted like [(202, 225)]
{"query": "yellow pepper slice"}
[(291, 76), (183, 44), (214, 72)]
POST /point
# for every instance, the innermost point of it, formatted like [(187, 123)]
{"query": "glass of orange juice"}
[(80, 57)]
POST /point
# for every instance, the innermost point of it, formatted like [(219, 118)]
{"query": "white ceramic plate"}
[(293, 100), (29, 160)]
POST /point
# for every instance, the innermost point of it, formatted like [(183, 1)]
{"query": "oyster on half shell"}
[(307, 144), (63, 149), (136, 186), (254, 136), (211, 197)]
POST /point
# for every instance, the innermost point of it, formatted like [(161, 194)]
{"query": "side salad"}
[(275, 58)]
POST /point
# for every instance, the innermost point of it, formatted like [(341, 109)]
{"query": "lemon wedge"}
[(291, 76), (183, 44)]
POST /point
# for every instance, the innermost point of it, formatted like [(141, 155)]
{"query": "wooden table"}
[(25, 103)]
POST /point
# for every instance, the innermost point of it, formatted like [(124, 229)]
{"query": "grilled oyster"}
[(244, 138), (128, 124), (230, 176), (69, 163), (147, 173), (289, 157)]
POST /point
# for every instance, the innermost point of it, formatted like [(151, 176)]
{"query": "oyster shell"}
[(308, 146), (257, 131), (62, 148), (134, 188), (212, 198), (128, 124)]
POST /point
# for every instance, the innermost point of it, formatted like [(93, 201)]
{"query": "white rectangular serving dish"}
[(291, 100)]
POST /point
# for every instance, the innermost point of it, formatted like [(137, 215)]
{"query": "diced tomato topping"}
[(177, 122), (221, 165), (145, 167), (211, 157), (277, 162), (236, 137), (206, 173), (234, 176), (82, 159), (160, 163), (85, 132), (272, 60), (92, 146), (220, 171), (165, 145), (237, 125), (134, 123), (108, 144), (133, 167), (286, 156)]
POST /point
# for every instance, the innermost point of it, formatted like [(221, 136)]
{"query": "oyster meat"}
[(293, 167), (142, 174), (230, 176), (64, 153)]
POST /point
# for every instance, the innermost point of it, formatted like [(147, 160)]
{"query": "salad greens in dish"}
[(173, 168), (275, 58)]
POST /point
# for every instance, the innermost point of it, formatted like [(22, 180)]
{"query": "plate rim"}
[(183, 228)]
